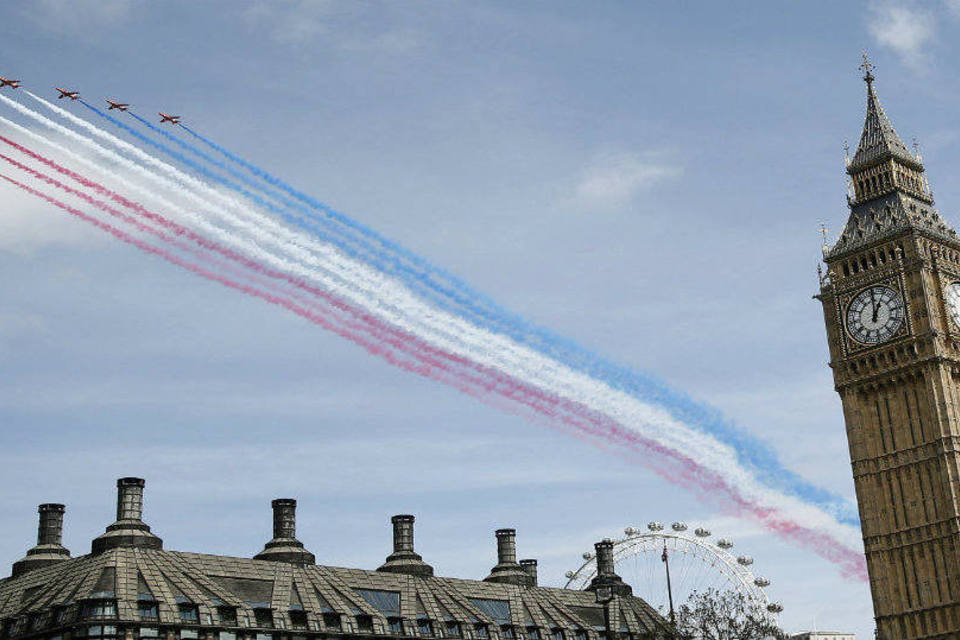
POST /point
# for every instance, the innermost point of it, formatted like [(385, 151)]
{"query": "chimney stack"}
[(284, 518), (50, 528), (404, 559), (130, 499), (606, 572), (507, 569), (604, 550), (49, 549), (284, 547), (129, 530), (530, 566)]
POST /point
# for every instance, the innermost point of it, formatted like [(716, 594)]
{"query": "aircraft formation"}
[(75, 95)]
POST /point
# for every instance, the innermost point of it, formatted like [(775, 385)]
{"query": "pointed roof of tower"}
[(879, 140), (893, 208)]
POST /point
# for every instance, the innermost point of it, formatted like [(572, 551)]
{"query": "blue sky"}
[(647, 179)]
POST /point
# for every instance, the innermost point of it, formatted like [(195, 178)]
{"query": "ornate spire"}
[(879, 140), (888, 191)]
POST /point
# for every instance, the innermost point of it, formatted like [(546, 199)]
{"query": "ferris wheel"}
[(695, 560)]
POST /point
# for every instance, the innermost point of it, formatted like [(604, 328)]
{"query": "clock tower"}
[(891, 302)]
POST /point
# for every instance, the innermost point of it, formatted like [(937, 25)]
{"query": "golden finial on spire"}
[(867, 67), (846, 153)]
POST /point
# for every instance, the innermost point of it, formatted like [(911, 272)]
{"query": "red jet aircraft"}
[(117, 105), (6, 82), (64, 93), (167, 118)]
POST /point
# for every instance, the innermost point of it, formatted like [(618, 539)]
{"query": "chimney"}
[(606, 572), (129, 530), (604, 550), (284, 518), (50, 529), (284, 547), (530, 566), (404, 559), (506, 546), (507, 570), (130, 498), (49, 549)]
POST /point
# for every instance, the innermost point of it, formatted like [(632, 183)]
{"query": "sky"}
[(648, 179)]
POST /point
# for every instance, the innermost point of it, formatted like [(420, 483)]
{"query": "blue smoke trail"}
[(340, 221), (358, 248), (386, 264), (753, 453)]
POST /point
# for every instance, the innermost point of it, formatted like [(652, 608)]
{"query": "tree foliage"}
[(724, 615)]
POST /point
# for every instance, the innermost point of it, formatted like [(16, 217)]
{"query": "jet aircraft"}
[(64, 93), (123, 106), (7, 82), (168, 118)]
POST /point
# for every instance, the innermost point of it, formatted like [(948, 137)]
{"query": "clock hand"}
[(876, 306)]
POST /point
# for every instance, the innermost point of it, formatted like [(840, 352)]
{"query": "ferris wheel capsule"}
[(774, 607), (655, 526), (745, 561), (702, 533), (569, 574), (587, 555), (630, 531), (679, 526), (724, 543), (761, 582)]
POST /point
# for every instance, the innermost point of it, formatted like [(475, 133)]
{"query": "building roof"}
[(130, 581), (174, 579)]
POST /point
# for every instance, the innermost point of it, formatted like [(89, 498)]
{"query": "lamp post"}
[(666, 562)]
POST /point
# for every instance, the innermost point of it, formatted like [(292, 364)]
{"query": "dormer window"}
[(188, 613), (364, 623), (298, 619), (331, 621), (148, 609), (227, 615), (264, 617), (395, 626), (105, 609)]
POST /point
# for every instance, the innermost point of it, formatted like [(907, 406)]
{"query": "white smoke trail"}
[(391, 301)]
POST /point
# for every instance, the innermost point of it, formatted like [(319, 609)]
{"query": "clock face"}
[(875, 314), (953, 302)]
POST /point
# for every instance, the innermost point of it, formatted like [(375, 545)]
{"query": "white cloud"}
[(290, 22), (615, 180), (904, 29), (301, 22), (79, 17), (27, 223)]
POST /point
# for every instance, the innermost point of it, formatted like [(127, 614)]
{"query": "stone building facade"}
[(130, 588), (891, 302)]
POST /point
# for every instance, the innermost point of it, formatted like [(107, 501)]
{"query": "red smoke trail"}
[(679, 469), (492, 381)]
